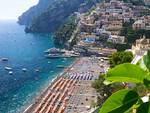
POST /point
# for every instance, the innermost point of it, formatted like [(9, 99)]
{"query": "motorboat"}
[(4, 59), (10, 72), (60, 66), (8, 68), (49, 62), (24, 69), (37, 70), (54, 50), (53, 56)]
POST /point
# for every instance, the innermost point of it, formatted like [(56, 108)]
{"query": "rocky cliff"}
[(48, 15)]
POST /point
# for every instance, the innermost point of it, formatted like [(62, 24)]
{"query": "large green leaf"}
[(120, 101), (144, 108), (126, 73), (146, 60)]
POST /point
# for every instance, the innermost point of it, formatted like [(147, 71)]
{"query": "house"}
[(141, 46), (139, 24), (102, 31), (116, 39), (147, 2)]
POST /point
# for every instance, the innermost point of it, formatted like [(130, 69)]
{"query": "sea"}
[(24, 50)]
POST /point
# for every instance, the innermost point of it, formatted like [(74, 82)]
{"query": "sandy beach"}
[(71, 92)]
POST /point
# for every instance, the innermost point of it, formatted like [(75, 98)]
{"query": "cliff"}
[(49, 15)]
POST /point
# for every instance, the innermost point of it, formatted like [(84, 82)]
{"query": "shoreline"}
[(41, 94), (71, 90)]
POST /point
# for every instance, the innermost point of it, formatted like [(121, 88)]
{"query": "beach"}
[(71, 92)]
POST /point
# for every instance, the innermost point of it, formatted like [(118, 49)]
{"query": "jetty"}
[(60, 53)]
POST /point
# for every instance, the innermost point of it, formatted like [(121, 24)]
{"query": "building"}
[(139, 24), (141, 46), (147, 2), (116, 39)]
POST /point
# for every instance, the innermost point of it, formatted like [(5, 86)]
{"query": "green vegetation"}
[(135, 2), (64, 33), (126, 73), (48, 15), (120, 102), (146, 60), (122, 47), (103, 90), (145, 12), (131, 34), (128, 100), (119, 58)]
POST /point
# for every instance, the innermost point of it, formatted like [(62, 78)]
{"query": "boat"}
[(60, 66), (54, 50), (8, 68), (53, 56), (4, 59), (49, 62), (66, 55), (75, 55), (37, 70), (10, 72), (24, 69)]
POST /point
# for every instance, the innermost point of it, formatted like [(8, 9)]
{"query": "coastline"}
[(70, 90), (41, 94)]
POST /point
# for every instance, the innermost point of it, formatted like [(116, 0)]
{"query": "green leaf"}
[(146, 60), (139, 102), (106, 82), (144, 108), (120, 101), (126, 73), (147, 82), (141, 64)]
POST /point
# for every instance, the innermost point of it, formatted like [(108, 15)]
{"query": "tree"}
[(127, 99), (119, 58), (132, 34), (102, 89), (64, 33)]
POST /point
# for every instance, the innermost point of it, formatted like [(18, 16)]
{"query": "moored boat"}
[(54, 50), (8, 68), (4, 59), (10, 72), (53, 56), (24, 69), (60, 66)]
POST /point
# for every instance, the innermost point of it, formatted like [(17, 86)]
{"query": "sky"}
[(12, 9)]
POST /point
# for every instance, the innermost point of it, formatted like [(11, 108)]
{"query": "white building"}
[(139, 24), (141, 46), (116, 39)]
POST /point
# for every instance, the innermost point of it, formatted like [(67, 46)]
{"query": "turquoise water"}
[(24, 51)]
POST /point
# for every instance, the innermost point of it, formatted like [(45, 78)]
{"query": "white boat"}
[(24, 69), (10, 72), (8, 68), (60, 66), (4, 59), (37, 70), (54, 50)]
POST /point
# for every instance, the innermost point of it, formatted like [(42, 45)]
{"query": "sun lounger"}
[(47, 103)]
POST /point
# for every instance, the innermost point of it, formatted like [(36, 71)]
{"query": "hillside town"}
[(98, 33), (102, 26)]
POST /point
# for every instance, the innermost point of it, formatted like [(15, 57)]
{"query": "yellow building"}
[(141, 46)]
